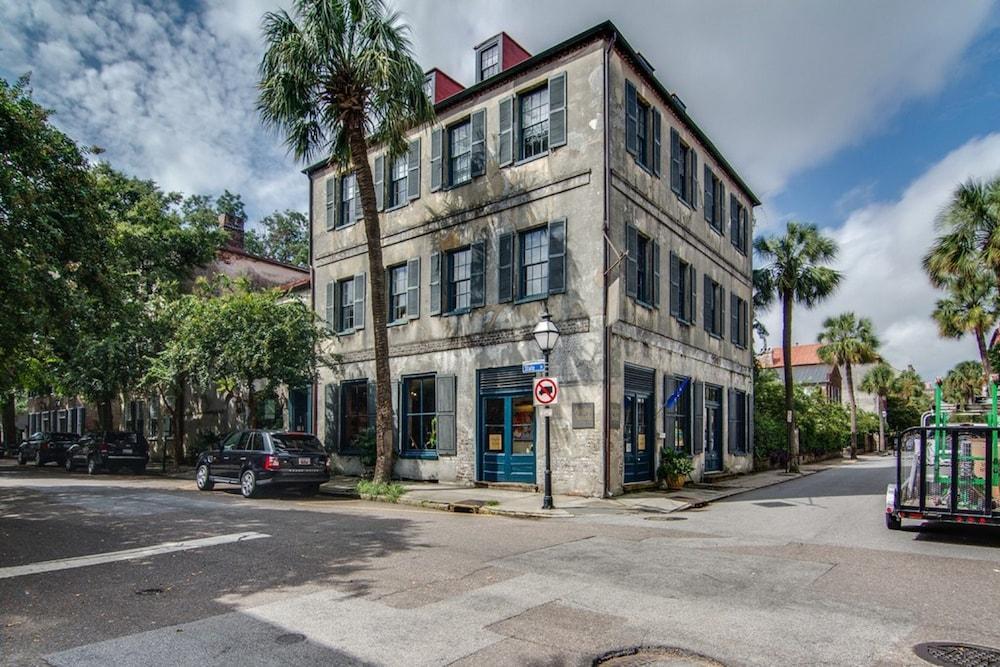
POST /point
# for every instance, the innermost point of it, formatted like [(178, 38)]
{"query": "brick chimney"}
[(233, 226)]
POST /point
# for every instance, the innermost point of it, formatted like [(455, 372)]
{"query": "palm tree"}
[(881, 381), (849, 340), (964, 383), (336, 79), (970, 234), (909, 385), (793, 272), (969, 308)]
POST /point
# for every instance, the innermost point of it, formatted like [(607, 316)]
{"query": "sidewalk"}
[(506, 502)]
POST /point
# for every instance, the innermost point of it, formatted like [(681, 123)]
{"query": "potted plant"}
[(674, 467)]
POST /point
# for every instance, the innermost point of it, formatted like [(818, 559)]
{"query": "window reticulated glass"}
[(397, 190), (421, 413), (535, 262), (535, 123), (489, 62), (346, 305), (460, 279), (459, 153), (397, 293), (348, 207)]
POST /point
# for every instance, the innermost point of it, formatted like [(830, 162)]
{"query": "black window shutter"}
[(656, 143), (631, 261), (359, 301), (380, 182), (720, 202), (505, 267), (732, 422), (388, 295), (445, 402), (478, 276), (734, 220), (331, 417), (413, 170), (437, 163), (675, 285), (331, 305), (557, 256), (748, 448), (734, 318), (505, 150), (413, 288), (477, 159), (709, 196), (709, 296), (557, 111), (631, 115), (331, 202), (693, 179), (675, 161), (720, 325), (655, 273), (745, 323), (698, 437), (435, 284), (692, 301)]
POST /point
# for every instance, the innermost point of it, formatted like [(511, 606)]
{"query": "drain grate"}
[(775, 503), (647, 656), (950, 654), (290, 638)]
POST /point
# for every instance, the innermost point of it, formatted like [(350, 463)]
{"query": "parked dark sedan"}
[(46, 447), (109, 450), (257, 459)]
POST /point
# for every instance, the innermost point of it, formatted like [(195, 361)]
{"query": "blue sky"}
[(856, 115)]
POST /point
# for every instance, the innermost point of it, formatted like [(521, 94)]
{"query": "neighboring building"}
[(808, 370), (207, 414), (501, 210)]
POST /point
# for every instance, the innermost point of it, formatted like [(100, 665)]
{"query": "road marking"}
[(127, 554)]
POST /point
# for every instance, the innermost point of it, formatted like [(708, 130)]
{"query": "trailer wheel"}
[(893, 522)]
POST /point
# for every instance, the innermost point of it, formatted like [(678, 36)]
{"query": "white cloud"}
[(881, 247)]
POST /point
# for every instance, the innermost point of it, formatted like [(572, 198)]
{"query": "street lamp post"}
[(546, 334)]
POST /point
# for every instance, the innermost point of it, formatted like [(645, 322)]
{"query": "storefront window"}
[(419, 415)]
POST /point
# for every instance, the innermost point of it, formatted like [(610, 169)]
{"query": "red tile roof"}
[(802, 355)]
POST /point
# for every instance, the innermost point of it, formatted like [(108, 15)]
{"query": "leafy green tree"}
[(336, 79), (963, 383), (231, 204), (970, 308), (285, 238), (794, 271), (51, 234), (909, 385), (969, 239), (881, 381), (848, 340)]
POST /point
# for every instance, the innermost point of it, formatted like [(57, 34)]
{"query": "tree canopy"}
[(285, 238)]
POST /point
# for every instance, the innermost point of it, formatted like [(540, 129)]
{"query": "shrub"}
[(672, 463), (388, 492)]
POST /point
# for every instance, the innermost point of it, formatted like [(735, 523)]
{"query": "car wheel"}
[(22, 460), (310, 490), (38, 460), (92, 467), (203, 478), (248, 484), (893, 522), (68, 464)]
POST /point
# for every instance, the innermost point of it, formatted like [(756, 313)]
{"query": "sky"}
[(858, 116)]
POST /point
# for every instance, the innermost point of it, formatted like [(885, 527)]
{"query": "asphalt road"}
[(800, 573)]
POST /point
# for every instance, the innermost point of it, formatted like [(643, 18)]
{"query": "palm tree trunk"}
[(786, 348), (984, 353), (384, 450), (854, 410)]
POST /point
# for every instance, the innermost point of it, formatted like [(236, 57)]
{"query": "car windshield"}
[(296, 442)]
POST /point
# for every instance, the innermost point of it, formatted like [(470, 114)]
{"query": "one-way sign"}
[(537, 366)]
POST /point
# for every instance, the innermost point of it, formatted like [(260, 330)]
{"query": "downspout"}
[(312, 306), (607, 234)]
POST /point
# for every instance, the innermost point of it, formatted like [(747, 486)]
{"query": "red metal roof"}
[(802, 355)]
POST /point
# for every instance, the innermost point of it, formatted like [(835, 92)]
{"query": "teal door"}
[(638, 437), (507, 438)]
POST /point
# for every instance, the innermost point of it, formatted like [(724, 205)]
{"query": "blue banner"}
[(674, 397)]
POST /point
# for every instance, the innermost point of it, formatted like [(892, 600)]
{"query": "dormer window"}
[(429, 87), (489, 61)]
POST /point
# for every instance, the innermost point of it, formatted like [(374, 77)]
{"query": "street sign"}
[(546, 392), (536, 366)]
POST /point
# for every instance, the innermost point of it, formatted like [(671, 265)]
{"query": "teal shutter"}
[(675, 285), (380, 182), (477, 157), (505, 149), (413, 170), (709, 304), (435, 284), (413, 288), (734, 318), (692, 302), (557, 111), (446, 427), (557, 256), (331, 202), (709, 197), (631, 261), (505, 267), (478, 277), (675, 162), (655, 273), (437, 163), (359, 301)]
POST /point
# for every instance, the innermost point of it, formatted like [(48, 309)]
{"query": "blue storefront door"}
[(638, 436), (507, 438), (713, 428)]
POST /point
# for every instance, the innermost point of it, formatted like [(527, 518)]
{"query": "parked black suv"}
[(109, 450), (256, 459), (45, 447)]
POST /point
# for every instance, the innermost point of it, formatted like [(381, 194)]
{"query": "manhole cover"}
[(775, 503), (149, 591), (650, 656), (665, 518), (290, 638), (950, 654)]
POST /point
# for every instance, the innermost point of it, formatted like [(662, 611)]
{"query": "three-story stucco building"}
[(572, 181)]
